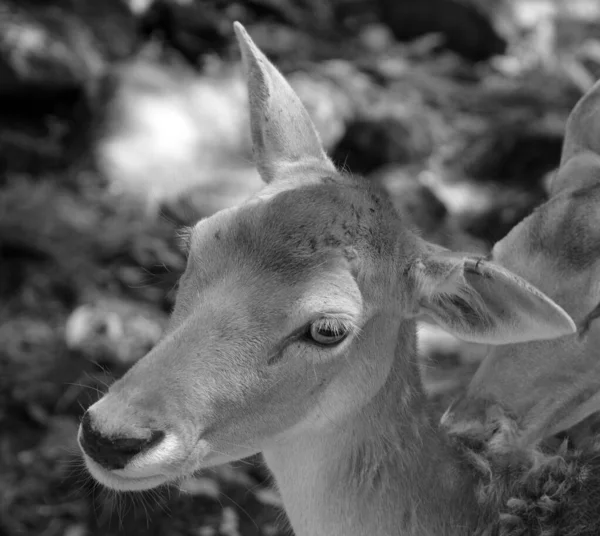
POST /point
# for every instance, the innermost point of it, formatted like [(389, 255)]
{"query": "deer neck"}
[(385, 469)]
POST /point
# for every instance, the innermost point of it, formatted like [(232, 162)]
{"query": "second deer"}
[(294, 335), (551, 386)]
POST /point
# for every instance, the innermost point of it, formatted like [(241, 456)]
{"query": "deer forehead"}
[(295, 232), (229, 294)]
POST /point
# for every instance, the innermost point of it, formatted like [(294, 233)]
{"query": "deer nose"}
[(114, 451)]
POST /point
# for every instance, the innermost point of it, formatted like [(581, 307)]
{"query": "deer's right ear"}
[(283, 135), (479, 301)]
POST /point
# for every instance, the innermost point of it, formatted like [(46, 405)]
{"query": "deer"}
[(293, 335), (551, 386)]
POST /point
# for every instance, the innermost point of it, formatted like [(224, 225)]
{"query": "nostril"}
[(114, 451)]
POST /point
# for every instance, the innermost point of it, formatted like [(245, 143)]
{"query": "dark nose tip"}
[(115, 451)]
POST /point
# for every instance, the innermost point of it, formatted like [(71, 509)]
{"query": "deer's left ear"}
[(479, 301), (283, 134)]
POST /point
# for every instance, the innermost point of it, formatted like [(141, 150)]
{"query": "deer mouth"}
[(119, 480), (161, 463), (168, 462)]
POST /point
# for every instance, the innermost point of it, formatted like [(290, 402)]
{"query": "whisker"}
[(241, 508)]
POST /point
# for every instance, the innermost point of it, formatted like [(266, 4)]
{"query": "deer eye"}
[(327, 331)]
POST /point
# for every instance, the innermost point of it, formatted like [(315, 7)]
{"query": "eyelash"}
[(335, 325)]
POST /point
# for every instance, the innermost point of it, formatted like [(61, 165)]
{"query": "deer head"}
[(554, 384), (292, 310)]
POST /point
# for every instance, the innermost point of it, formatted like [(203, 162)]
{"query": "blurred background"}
[(121, 120)]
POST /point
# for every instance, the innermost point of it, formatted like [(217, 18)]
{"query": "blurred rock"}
[(394, 133), (465, 29), (115, 331), (230, 522), (45, 46), (62, 43), (329, 105), (201, 486), (518, 152), (283, 29), (447, 363), (376, 37), (226, 190), (165, 130), (486, 211), (57, 243), (173, 138), (33, 336), (334, 92), (76, 530), (33, 368), (424, 209), (39, 130), (51, 54), (411, 198), (437, 345), (192, 28), (505, 210), (289, 44), (61, 438)]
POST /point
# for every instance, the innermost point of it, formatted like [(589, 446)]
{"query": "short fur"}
[(553, 385), (345, 428)]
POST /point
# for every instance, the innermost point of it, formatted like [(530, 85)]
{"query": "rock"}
[(37, 130), (328, 105), (485, 211), (199, 28), (24, 339), (424, 210), (230, 522), (61, 437), (465, 29), (197, 485), (287, 45), (47, 48), (192, 28), (117, 331), (507, 210), (165, 130), (112, 23), (76, 530), (392, 133), (269, 496), (51, 54), (227, 189), (32, 374), (411, 198), (63, 44), (334, 92), (64, 35), (518, 152), (376, 38), (446, 351)]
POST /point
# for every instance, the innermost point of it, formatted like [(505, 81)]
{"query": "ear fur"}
[(479, 301), (283, 134)]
